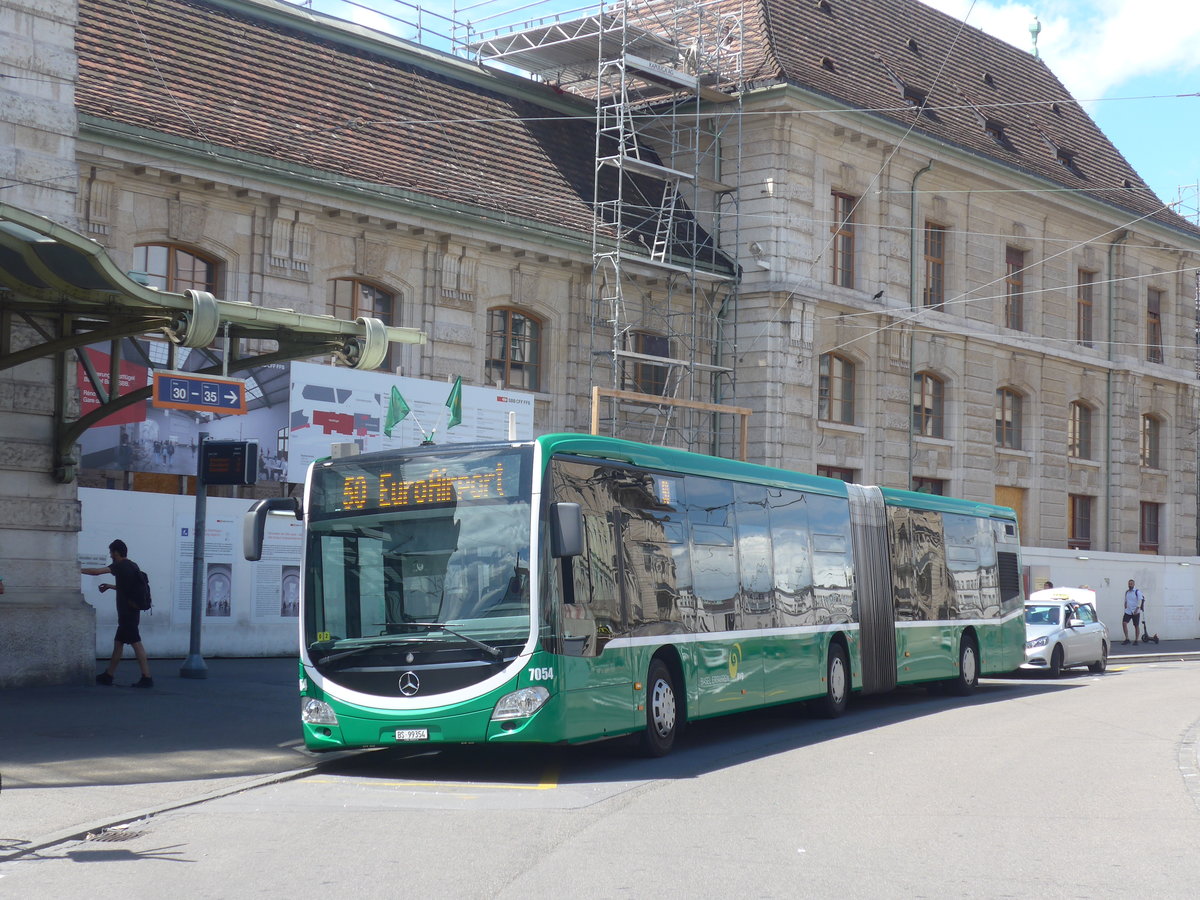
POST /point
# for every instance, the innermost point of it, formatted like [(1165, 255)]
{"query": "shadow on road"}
[(705, 746)]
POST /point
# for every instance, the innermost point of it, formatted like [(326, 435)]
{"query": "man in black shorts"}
[(128, 585)]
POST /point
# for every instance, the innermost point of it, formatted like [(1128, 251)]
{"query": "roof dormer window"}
[(995, 130)]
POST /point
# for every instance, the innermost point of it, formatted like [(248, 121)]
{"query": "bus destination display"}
[(400, 484)]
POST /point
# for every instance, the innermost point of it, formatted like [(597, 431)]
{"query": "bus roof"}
[(672, 460)]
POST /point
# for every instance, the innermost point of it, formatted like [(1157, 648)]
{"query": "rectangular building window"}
[(1083, 307), (1079, 431), (835, 389), (1009, 415), (1151, 442), (935, 265), (1079, 522), (929, 485), (846, 475), (1148, 529), (843, 239), (1154, 335), (1014, 289)]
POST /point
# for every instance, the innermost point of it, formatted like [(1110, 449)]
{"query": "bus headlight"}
[(520, 704), (318, 712)]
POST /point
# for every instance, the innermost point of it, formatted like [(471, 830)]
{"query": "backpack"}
[(143, 601)]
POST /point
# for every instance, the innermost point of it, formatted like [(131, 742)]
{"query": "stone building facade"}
[(935, 294)]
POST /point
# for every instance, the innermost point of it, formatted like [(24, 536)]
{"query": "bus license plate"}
[(412, 734)]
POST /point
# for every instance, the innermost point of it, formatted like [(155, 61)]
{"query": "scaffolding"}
[(666, 80)]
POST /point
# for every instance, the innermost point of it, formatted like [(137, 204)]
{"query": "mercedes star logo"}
[(409, 684)]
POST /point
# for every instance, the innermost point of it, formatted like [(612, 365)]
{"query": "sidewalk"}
[(76, 759), (1151, 652)]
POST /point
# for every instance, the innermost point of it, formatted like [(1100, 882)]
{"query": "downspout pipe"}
[(912, 306), (1108, 387)]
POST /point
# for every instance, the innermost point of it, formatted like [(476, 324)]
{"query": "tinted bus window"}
[(714, 560), (791, 556), (833, 563), (756, 592)]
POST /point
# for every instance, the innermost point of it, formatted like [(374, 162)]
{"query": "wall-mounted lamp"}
[(1081, 557), (1185, 564)]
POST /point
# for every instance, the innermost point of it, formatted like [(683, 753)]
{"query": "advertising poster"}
[(222, 534), (276, 589), (334, 405), (144, 438)]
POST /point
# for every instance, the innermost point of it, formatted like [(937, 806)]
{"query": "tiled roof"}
[(199, 71), (868, 54)]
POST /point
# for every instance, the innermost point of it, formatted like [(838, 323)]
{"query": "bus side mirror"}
[(254, 522), (566, 530)]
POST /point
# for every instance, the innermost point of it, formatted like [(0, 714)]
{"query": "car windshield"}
[(1042, 614)]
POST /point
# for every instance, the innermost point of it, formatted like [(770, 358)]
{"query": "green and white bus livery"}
[(574, 588)]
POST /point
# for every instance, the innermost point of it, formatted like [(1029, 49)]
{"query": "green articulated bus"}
[(573, 588)]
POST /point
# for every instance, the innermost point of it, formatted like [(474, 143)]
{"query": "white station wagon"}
[(1063, 630)]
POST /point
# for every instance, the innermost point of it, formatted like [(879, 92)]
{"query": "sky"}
[(1131, 63)]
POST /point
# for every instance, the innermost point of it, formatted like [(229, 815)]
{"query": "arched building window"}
[(175, 269), (514, 349)]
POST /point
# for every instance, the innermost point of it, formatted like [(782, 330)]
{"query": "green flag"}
[(397, 410), (454, 402)]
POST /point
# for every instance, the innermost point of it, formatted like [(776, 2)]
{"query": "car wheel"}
[(662, 711), (1100, 665), (837, 684), (968, 668), (1056, 661)]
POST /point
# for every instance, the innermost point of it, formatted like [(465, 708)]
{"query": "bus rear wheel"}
[(837, 684), (662, 711), (968, 667)]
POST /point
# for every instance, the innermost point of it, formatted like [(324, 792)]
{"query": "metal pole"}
[(194, 666)]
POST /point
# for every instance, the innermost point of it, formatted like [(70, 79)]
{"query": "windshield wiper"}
[(353, 651), (493, 652)]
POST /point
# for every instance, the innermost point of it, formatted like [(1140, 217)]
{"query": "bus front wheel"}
[(662, 711), (837, 684)]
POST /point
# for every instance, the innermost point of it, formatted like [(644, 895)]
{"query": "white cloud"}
[(1093, 46)]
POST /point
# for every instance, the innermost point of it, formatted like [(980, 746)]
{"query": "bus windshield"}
[(419, 551)]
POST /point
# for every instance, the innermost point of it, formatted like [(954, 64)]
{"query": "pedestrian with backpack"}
[(1135, 603), (132, 596)]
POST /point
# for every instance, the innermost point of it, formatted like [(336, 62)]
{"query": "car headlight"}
[(1036, 642), (521, 704), (318, 712)]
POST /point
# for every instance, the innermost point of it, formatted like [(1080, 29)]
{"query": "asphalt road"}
[(1082, 787)]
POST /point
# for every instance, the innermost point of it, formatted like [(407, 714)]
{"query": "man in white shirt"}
[(1135, 602)]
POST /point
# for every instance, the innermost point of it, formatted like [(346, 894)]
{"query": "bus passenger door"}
[(597, 683)]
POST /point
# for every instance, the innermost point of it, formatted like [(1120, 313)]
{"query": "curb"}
[(80, 832), (1153, 657)]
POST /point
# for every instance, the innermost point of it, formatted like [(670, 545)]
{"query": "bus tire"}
[(968, 667), (837, 683), (662, 711)]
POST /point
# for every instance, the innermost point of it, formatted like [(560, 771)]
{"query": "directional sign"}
[(199, 393)]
